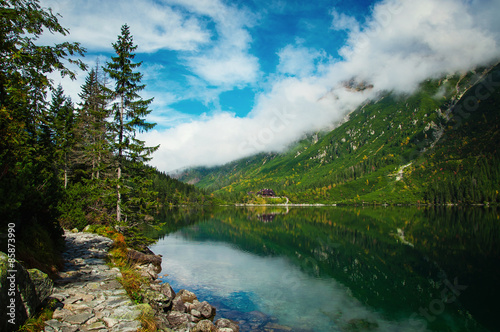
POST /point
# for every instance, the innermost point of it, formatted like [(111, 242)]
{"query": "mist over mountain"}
[(397, 47), (435, 145)]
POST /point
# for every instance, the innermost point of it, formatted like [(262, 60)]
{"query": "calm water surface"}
[(339, 269)]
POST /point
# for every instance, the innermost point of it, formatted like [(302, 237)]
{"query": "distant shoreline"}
[(283, 205)]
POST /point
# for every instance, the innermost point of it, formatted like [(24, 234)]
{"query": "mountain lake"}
[(337, 268)]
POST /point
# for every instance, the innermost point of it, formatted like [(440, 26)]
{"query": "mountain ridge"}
[(385, 152)]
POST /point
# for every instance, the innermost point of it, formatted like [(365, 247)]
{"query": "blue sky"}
[(233, 78)]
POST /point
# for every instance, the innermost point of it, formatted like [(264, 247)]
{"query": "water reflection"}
[(342, 268)]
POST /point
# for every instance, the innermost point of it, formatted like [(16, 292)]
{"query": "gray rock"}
[(178, 305), (61, 313), (206, 310), (224, 323), (110, 322), (148, 271), (95, 326), (17, 306), (204, 326), (137, 257), (54, 325), (92, 297), (127, 326), (186, 296), (157, 300), (79, 319), (195, 313), (167, 291), (177, 319), (43, 284)]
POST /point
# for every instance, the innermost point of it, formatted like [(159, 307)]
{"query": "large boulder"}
[(204, 326), (139, 258), (159, 296), (44, 286), (186, 296), (18, 295), (178, 320), (205, 309)]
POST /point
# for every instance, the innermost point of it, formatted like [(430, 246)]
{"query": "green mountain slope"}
[(437, 145)]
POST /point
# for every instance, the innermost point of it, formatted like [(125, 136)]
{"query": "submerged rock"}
[(359, 324), (224, 323)]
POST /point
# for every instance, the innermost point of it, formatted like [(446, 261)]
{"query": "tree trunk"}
[(119, 197), (65, 171), (120, 152)]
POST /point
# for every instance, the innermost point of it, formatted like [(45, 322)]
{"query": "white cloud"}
[(299, 60), (293, 108), (401, 44), (342, 21), (228, 69), (96, 23), (209, 36), (406, 42), (227, 61)]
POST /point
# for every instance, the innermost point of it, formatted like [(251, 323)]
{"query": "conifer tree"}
[(59, 126), (129, 110), (30, 186), (24, 66), (93, 149)]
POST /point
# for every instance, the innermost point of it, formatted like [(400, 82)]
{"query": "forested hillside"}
[(438, 145)]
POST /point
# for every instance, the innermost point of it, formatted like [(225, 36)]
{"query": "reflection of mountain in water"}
[(359, 249)]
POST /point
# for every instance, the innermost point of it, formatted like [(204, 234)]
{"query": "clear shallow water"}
[(338, 269)]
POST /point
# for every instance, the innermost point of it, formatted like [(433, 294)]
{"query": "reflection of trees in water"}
[(266, 217), (355, 247)]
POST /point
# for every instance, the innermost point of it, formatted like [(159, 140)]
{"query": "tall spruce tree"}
[(129, 111), (59, 125), (93, 150)]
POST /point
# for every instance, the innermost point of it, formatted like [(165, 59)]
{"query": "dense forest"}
[(64, 164)]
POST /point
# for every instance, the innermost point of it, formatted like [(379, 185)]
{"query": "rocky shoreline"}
[(178, 312), (88, 296), (91, 299)]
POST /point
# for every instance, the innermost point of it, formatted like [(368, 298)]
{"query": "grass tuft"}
[(37, 323), (148, 322)]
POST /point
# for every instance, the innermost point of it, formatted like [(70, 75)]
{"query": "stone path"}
[(91, 297)]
